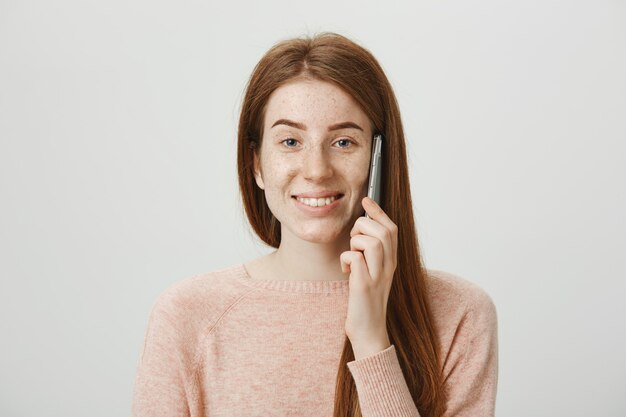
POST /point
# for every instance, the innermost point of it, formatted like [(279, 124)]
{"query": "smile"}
[(318, 206), (316, 202)]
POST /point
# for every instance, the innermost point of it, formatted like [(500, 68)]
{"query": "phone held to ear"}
[(373, 189)]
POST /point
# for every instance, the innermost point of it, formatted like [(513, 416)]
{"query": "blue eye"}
[(344, 140), (294, 141), (287, 140)]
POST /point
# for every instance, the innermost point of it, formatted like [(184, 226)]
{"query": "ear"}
[(257, 171)]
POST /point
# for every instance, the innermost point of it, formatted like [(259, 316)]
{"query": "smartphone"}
[(373, 188)]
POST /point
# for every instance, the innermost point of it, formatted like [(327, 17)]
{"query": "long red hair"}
[(334, 58)]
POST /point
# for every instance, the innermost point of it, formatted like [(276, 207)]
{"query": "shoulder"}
[(184, 314), (457, 302), (196, 302), (450, 292)]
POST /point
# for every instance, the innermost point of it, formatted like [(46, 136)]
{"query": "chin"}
[(319, 236), (325, 238)]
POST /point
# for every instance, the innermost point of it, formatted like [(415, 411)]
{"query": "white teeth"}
[(316, 202)]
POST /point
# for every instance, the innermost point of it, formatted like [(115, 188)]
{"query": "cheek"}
[(358, 171), (277, 170)]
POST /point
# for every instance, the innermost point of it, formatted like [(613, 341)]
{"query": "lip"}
[(318, 211)]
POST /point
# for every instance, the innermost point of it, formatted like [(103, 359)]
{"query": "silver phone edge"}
[(373, 189)]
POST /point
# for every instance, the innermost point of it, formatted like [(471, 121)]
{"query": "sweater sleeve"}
[(381, 386), (162, 383), (470, 385)]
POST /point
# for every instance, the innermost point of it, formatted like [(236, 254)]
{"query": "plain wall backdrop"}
[(118, 178)]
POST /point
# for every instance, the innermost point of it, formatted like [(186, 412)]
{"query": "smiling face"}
[(316, 138)]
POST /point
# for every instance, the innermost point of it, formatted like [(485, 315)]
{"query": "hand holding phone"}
[(371, 275)]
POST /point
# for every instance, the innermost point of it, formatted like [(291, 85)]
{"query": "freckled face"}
[(301, 155)]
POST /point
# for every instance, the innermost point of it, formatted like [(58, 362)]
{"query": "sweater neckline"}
[(294, 286)]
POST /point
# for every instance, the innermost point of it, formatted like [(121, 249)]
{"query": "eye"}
[(344, 140), (289, 139)]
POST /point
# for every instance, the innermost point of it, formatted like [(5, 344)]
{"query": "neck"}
[(301, 260)]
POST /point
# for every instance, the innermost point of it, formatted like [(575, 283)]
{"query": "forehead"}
[(313, 102)]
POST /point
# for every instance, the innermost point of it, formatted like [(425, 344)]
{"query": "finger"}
[(344, 261), (373, 252), (377, 213), (370, 227), (359, 277)]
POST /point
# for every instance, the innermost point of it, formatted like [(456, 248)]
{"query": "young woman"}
[(342, 319)]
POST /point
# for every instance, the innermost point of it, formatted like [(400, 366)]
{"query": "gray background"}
[(117, 178)]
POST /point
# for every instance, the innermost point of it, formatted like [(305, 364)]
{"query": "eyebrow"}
[(337, 126)]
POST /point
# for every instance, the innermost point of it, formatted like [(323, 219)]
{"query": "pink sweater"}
[(223, 344)]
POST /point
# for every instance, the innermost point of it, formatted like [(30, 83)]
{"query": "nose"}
[(316, 165)]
